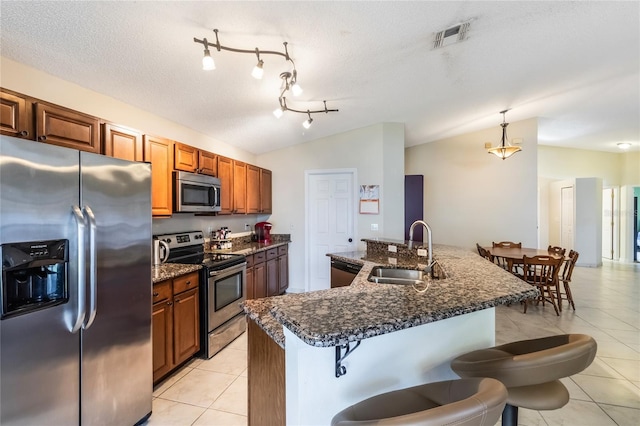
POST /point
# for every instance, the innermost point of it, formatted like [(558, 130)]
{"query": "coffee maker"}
[(263, 232)]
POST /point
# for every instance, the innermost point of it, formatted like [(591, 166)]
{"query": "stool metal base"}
[(510, 415)]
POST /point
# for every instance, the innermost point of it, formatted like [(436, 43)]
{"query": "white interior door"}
[(566, 217), (607, 223), (330, 222)]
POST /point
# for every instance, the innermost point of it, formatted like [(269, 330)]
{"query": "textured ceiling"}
[(574, 65)]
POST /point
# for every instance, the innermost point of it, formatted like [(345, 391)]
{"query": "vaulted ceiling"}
[(573, 65)]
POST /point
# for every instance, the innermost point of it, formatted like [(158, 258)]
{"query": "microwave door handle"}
[(80, 279), (213, 196), (93, 295)]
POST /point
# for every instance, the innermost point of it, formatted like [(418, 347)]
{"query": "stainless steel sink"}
[(382, 275)]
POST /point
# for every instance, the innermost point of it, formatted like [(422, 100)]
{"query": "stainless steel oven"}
[(222, 289), (196, 193)]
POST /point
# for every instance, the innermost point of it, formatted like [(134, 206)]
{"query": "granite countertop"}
[(336, 316)]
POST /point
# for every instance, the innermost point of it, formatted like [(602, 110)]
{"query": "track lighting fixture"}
[(505, 149), (289, 78)]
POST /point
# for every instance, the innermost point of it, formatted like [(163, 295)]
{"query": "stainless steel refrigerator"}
[(75, 318)]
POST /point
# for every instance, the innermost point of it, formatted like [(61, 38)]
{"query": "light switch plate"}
[(392, 261), (392, 249), (422, 252), (374, 226)]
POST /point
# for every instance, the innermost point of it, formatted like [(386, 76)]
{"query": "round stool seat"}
[(531, 369), (475, 402)]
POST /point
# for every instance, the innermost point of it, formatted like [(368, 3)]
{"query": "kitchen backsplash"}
[(188, 222)]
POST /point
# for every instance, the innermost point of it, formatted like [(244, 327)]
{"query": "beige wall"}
[(376, 152), (471, 196)]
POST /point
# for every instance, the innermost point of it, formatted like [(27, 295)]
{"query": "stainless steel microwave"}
[(195, 193)]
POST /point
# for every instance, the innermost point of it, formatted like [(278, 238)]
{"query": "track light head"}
[(207, 61), (278, 112), (258, 71)]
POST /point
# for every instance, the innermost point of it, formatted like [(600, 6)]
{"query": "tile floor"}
[(214, 392)]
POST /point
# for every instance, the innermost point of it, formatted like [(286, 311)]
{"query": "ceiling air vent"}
[(451, 35)]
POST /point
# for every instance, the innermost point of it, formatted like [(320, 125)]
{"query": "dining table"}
[(515, 255)]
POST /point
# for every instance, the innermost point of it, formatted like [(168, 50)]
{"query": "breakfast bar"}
[(339, 346)]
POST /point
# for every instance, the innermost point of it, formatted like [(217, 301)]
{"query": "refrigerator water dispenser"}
[(34, 276)]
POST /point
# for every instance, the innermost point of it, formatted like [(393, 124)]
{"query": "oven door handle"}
[(228, 271)]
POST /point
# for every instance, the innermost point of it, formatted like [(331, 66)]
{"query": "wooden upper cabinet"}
[(15, 116), (253, 189), (239, 187), (159, 152), (64, 127), (185, 158), (225, 174), (265, 191), (121, 142), (207, 163)]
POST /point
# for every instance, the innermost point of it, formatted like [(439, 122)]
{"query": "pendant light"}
[(505, 149)]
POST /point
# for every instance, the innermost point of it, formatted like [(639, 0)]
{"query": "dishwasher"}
[(343, 273)]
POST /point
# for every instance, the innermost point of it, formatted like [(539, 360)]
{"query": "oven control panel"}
[(182, 239)]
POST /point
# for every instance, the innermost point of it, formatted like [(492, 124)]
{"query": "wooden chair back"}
[(484, 253), (541, 270), (569, 265), (557, 250), (507, 244)]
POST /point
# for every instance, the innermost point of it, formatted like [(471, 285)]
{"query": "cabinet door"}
[(120, 142), (159, 152), (272, 277), (239, 187), (15, 116), (207, 163), (186, 325), (250, 285), (225, 174), (265, 191), (65, 127), (260, 280), (283, 273), (162, 340), (253, 189), (185, 158)]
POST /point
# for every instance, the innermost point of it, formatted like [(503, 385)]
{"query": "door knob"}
[(350, 240)]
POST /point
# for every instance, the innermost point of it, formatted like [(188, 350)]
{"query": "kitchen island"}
[(395, 335)]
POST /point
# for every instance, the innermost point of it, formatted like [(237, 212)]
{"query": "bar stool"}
[(531, 370), (476, 401)]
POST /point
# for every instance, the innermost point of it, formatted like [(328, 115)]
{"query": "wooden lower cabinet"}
[(268, 272), (175, 323)]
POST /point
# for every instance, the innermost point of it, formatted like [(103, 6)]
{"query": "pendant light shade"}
[(505, 149)]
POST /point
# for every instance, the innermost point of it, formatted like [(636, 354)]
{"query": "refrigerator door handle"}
[(80, 279), (93, 265)]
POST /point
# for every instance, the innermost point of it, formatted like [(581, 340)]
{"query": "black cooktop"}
[(211, 261)]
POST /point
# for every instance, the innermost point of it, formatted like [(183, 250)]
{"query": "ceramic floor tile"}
[(623, 416), (609, 391), (630, 369), (228, 361), (199, 387), (234, 398), (615, 349), (169, 381), (575, 392), (601, 369), (167, 412), (245, 373), (577, 412), (220, 418), (239, 343)]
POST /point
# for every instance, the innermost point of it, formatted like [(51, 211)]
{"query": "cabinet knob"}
[(42, 138), (24, 133), (155, 294), (169, 303), (188, 282)]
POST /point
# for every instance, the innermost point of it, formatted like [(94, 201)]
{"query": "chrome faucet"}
[(429, 242)]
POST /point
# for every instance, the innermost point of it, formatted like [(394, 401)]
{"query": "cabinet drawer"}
[(272, 253), (249, 259), (259, 257), (161, 291), (185, 282), (282, 250)]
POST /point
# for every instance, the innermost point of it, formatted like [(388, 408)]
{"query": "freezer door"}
[(39, 356), (117, 380)]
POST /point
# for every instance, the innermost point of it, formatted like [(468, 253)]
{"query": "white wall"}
[(472, 196), (375, 152), (588, 221)]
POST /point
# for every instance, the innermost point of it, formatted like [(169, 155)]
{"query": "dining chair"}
[(556, 250), (513, 267), (484, 253), (542, 272), (565, 277)]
